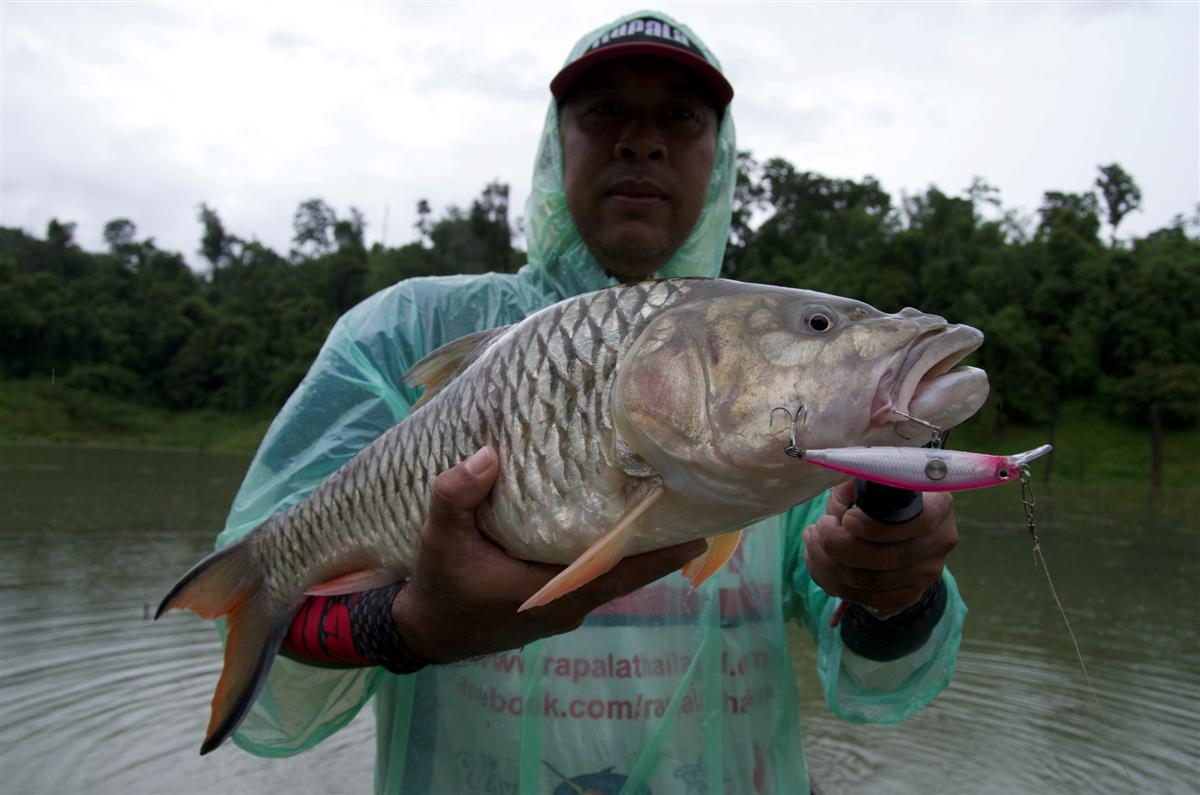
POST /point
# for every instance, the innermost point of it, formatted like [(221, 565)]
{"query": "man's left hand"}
[(885, 567)]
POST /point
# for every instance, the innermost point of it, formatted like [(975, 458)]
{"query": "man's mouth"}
[(636, 192)]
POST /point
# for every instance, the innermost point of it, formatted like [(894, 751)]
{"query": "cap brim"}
[(722, 90)]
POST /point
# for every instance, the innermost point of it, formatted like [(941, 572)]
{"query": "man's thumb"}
[(458, 490)]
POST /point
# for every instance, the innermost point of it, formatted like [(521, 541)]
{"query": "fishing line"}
[(1028, 501)]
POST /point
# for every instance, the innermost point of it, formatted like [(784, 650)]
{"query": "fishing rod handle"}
[(887, 504)]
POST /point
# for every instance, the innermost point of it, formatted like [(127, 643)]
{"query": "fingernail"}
[(477, 462)]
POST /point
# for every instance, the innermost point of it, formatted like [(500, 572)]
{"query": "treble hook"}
[(792, 449)]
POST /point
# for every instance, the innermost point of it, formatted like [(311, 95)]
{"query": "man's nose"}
[(641, 140)]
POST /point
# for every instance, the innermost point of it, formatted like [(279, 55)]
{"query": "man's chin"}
[(632, 258)]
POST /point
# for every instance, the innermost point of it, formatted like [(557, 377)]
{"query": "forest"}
[(1073, 312)]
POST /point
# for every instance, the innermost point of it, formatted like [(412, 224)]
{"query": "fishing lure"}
[(922, 468)]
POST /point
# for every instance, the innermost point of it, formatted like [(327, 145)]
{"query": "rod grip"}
[(887, 504)]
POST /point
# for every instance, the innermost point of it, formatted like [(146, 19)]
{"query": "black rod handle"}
[(887, 504)]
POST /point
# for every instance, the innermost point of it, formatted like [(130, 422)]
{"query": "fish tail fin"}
[(228, 583), (255, 635)]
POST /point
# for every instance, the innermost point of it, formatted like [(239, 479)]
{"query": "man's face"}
[(639, 137)]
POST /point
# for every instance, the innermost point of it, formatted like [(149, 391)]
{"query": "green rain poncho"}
[(663, 690)]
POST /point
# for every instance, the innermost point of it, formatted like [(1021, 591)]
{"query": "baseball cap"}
[(644, 35)]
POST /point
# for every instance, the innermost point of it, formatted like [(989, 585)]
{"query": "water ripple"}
[(84, 677)]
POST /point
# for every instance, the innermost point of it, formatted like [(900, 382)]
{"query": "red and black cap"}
[(646, 35)]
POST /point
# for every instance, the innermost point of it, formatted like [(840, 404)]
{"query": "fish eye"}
[(1003, 473), (819, 319)]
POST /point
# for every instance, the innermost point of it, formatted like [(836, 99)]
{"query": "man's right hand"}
[(464, 592)]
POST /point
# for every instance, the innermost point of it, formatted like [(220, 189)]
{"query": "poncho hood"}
[(557, 253)]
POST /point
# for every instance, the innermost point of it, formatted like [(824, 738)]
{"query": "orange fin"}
[(600, 556), (228, 583), (255, 635), (216, 585), (720, 550), (354, 582)]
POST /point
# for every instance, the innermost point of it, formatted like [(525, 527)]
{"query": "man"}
[(633, 682)]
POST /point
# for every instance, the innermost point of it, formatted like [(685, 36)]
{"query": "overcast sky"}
[(144, 110)]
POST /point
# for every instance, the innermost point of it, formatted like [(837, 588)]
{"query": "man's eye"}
[(682, 113), (605, 108)]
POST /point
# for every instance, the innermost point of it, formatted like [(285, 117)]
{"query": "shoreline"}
[(1089, 447)]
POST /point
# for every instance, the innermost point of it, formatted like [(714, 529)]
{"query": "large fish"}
[(625, 420)]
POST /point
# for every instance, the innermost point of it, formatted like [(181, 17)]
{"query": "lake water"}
[(95, 697)]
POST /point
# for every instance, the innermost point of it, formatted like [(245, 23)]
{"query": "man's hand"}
[(464, 593), (885, 567)]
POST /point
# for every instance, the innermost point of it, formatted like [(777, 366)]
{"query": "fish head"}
[(697, 393)]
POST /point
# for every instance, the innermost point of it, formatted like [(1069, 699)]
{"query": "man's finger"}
[(860, 525), (841, 497), (460, 489)]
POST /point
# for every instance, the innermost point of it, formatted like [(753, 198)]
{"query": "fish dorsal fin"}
[(602, 555), (720, 550), (438, 368)]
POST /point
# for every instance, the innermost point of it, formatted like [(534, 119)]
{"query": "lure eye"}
[(1002, 473), (819, 319)]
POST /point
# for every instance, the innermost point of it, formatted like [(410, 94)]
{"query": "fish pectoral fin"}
[(600, 556), (720, 550), (438, 368), (355, 581)]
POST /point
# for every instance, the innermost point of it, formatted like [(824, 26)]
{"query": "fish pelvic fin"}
[(228, 583), (720, 550), (355, 581), (601, 556)]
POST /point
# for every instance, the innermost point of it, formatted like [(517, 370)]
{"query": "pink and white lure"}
[(924, 468)]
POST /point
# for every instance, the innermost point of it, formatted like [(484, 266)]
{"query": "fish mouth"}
[(927, 385)]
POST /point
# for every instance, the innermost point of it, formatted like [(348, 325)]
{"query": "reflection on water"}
[(94, 697), (1019, 716)]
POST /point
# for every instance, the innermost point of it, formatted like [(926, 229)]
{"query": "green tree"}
[(1152, 349), (60, 236), (423, 224), (120, 234), (489, 225), (349, 233), (748, 201), (1121, 195), (347, 266), (312, 224), (215, 243), (815, 229), (477, 240)]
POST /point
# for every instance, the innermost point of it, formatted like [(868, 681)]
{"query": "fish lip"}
[(932, 353), (636, 187)]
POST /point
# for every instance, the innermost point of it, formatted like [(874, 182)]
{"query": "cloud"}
[(146, 110)]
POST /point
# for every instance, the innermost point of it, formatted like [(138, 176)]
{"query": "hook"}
[(938, 431), (792, 449)]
